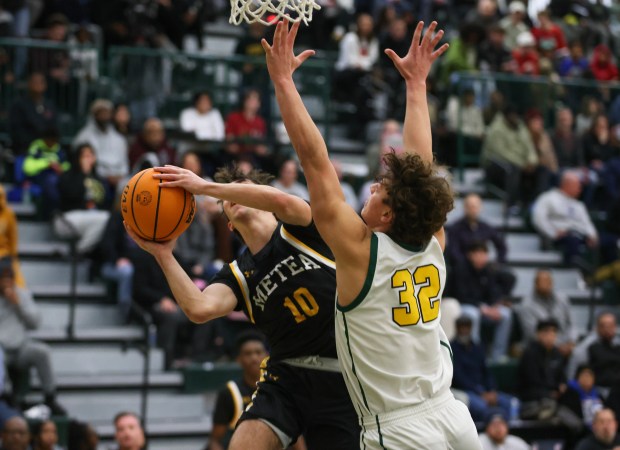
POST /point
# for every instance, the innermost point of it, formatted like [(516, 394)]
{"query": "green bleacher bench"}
[(201, 378)]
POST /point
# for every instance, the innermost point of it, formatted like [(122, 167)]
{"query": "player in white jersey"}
[(390, 269)]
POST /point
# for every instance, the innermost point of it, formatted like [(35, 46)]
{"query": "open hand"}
[(174, 176), (416, 64), (281, 61)]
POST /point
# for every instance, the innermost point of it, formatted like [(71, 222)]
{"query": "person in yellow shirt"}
[(8, 238)]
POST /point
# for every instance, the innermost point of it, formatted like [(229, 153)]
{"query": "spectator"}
[(485, 14), (604, 353), (558, 216), (597, 147), (472, 375), (152, 139), (45, 436), (83, 202), (109, 146), (510, 158), (494, 55), (543, 144), (480, 287), (9, 239), (525, 55), (464, 117), (246, 129), (574, 65), (513, 23), (203, 119), (549, 36), (31, 115), (53, 62), (15, 434), (545, 304), (581, 395), (495, 106), (128, 434), (463, 52), (601, 64), (348, 191), (232, 400), (391, 139), (470, 228), (541, 378), (590, 108), (81, 436), (496, 437), (566, 143), (19, 313), (287, 181), (121, 119), (397, 38), (604, 432), (249, 46)]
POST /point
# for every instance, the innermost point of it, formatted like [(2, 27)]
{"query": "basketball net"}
[(259, 10)]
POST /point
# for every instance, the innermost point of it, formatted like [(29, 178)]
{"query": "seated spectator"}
[(121, 119), (601, 64), (9, 239), (203, 119), (548, 35), (128, 432), (508, 145), (526, 60), (396, 38), (544, 147), (604, 432), (565, 141), (349, 193), (513, 24), (494, 55), (6, 412), (391, 139), (485, 13), (470, 228), (581, 395), (116, 254), (15, 434), (481, 287), (287, 181), (545, 304), (472, 375), (574, 65), (463, 52), (19, 313), (464, 118), (82, 436), (232, 400), (541, 379), (43, 165), (590, 109), (559, 216), (596, 143), (246, 129), (152, 139), (604, 353), (109, 145), (83, 202), (496, 437), (45, 436), (31, 115)]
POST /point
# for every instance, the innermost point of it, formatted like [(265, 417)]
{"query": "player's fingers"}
[(427, 36), (416, 35), (293, 34), (436, 39), (392, 55), (266, 46), (440, 51), (276, 35), (303, 56)]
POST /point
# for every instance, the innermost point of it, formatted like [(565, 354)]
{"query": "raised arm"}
[(215, 301), (286, 207), (338, 223), (414, 68)]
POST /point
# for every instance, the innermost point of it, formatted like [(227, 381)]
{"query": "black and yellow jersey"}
[(288, 290)]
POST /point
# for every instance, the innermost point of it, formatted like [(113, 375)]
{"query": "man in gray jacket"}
[(18, 314)]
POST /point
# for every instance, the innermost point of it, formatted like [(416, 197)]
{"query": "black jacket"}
[(540, 372)]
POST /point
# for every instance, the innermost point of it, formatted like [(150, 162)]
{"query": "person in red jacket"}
[(525, 56), (246, 128), (548, 35), (602, 66)]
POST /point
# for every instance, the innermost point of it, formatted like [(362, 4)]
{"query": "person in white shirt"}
[(559, 216), (202, 119), (496, 437), (464, 116)]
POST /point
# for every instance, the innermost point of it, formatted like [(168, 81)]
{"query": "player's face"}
[(375, 209), (129, 434), (251, 355)]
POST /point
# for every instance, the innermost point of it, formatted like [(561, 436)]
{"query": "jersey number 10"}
[(425, 304), (303, 300)]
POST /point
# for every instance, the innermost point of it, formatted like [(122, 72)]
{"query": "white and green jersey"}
[(392, 349)]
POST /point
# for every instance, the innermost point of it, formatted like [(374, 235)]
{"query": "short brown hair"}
[(123, 414), (233, 174), (419, 196)]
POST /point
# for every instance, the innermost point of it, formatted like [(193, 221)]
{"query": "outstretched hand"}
[(416, 64), (281, 60), (174, 176)]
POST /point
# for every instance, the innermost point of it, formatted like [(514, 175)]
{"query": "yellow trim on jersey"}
[(237, 402), (288, 237), (234, 267)]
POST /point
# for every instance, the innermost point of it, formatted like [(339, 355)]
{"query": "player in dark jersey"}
[(285, 283)]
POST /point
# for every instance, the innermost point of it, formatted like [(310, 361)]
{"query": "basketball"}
[(154, 212)]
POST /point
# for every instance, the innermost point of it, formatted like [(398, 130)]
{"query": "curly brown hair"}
[(233, 174), (419, 196)]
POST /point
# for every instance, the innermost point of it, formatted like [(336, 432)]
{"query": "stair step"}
[(39, 273), (55, 315), (63, 291), (102, 334), (115, 381)]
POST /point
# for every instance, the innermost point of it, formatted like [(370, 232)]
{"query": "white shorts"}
[(441, 423)]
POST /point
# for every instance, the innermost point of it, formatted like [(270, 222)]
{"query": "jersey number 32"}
[(425, 304)]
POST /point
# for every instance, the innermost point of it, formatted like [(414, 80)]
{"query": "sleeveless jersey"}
[(288, 289), (392, 349)]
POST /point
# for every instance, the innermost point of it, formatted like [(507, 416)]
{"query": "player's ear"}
[(230, 226), (387, 216)]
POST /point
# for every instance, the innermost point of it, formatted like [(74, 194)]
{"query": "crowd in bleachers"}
[(557, 164)]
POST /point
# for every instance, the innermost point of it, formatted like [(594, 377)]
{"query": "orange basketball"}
[(154, 212)]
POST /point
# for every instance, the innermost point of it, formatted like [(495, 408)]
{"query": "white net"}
[(269, 12)]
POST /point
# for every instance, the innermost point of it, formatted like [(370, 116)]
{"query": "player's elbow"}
[(199, 314)]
